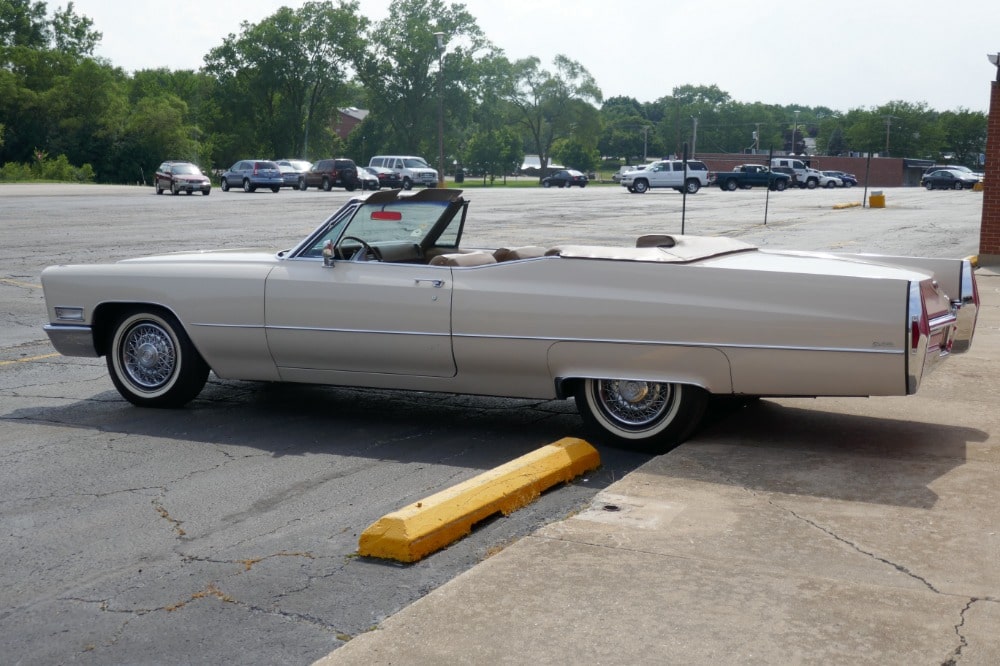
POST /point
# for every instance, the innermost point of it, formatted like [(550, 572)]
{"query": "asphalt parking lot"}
[(834, 531)]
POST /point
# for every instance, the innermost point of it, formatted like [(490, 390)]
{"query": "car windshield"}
[(415, 163), (299, 165), (187, 168), (390, 219)]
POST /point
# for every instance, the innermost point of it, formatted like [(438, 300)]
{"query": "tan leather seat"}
[(515, 253), (463, 259)]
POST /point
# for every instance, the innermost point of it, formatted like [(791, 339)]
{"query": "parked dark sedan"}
[(848, 179), (386, 177), (565, 178), (949, 179), (291, 170)]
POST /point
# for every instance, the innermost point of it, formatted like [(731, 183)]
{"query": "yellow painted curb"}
[(846, 205), (432, 523)]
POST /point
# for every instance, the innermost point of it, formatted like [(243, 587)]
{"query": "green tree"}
[(964, 135), (554, 105), (405, 87), (280, 80), (494, 152)]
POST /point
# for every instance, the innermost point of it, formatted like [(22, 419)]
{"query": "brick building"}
[(989, 230), (881, 171)]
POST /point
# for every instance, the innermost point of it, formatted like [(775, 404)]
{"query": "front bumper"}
[(72, 340)]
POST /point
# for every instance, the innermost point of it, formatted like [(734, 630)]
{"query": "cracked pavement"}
[(826, 531)]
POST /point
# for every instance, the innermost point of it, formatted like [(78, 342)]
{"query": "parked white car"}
[(383, 294)]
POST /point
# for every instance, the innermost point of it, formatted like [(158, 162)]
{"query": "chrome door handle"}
[(434, 283)]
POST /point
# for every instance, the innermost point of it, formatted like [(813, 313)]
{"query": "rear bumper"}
[(967, 309)]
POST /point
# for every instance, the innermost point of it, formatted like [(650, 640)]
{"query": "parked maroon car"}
[(340, 172)]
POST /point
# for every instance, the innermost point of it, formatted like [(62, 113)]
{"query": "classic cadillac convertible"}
[(383, 294)]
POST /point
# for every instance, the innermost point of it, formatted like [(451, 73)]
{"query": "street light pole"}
[(795, 128), (440, 46)]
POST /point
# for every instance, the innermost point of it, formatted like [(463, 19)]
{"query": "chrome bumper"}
[(72, 340), (967, 310)]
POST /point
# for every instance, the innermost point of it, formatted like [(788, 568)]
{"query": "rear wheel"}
[(731, 185), (152, 361), (643, 416), (692, 186), (247, 187), (276, 188)]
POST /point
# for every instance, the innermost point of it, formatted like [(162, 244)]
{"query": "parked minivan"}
[(414, 170)]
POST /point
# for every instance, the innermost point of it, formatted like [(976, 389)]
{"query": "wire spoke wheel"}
[(152, 362), (149, 355), (641, 415)]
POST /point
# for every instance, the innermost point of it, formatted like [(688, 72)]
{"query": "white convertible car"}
[(383, 294)]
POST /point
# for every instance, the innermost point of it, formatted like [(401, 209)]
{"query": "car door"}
[(360, 317)]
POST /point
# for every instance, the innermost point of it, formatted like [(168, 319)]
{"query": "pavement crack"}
[(898, 567), (962, 641), (175, 524)]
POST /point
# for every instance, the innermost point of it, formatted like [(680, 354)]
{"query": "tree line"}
[(273, 91)]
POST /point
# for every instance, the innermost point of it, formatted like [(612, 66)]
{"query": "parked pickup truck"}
[(746, 176)]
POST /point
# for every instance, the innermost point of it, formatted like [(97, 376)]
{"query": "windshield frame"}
[(442, 229)]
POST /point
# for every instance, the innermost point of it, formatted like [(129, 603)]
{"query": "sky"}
[(842, 54)]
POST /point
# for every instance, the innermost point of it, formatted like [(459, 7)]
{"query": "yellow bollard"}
[(876, 200)]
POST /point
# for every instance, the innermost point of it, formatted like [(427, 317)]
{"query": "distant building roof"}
[(359, 114)]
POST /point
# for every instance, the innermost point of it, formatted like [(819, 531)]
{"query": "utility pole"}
[(888, 124), (694, 135), (645, 136)]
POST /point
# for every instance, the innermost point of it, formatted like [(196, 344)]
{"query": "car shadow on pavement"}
[(777, 447), (296, 419)]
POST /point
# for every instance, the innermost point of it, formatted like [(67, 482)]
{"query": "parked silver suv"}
[(667, 173)]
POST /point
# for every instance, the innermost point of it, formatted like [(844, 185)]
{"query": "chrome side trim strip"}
[(483, 336)]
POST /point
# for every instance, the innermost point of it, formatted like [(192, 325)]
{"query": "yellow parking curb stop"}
[(842, 206), (426, 526)]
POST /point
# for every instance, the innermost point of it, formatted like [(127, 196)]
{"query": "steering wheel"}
[(360, 255)]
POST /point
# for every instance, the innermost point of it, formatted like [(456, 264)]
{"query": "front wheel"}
[(780, 185), (224, 185), (812, 183), (929, 185), (153, 363), (640, 186), (407, 184), (642, 416)]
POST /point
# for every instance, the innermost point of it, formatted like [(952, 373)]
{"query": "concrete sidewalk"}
[(832, 531)]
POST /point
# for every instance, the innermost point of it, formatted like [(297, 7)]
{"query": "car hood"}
[(240, 256)]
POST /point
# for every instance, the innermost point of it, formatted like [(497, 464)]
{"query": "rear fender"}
[(705, 367)]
